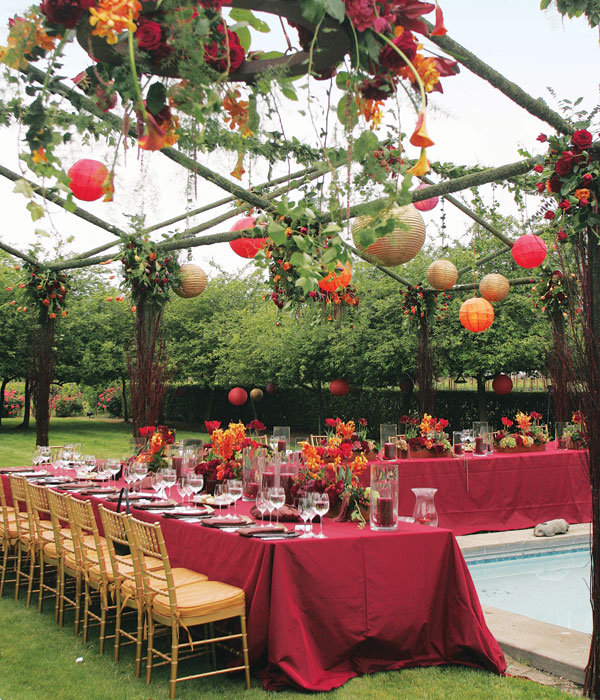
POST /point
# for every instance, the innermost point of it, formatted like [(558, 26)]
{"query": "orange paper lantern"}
[(256, 394), (193, 281), (401, 244), (494, 287), (502, 384), (338, 279), (238, 396), (476, 314), (442, 275), (87, 179), (246, 247), (339, 387), (529, 251)]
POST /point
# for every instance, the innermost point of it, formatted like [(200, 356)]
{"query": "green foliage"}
[(576, 8)]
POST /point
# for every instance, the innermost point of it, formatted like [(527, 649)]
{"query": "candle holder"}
[(250, 474), (384, 497), (425, 512)]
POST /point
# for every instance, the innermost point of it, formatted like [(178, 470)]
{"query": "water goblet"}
[(277, 498), (169, 477), (195, 484), (262, 505), (304, 506), (311, 515), (113, 466), (89, 463), (129, 476), (182, 488), (321, 506), (157, 484), (235, 489), (139, 471)]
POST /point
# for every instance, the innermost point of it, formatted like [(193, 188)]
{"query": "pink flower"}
[(361, 13), (542, 138)]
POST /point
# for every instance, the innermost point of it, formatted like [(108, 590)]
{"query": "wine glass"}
[(129, 476), (89, 463), (182, 488), (277, 498), (304, 507), (195, 484), (262, 505), (311, 514), (234, 487), (113, 466), (169, 478), (158, 484), (321, 507), (139, 472)]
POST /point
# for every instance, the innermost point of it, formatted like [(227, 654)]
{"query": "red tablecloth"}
[(501, 492), (323, 611)]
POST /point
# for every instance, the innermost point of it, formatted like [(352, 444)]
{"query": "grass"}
[(39, 660), (100, 437)]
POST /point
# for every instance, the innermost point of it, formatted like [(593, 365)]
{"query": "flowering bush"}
[(65, 405), (110, 401), (13, 403)]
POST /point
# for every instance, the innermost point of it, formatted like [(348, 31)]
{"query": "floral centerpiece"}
[(529, 434), (337, 477), (426, 437), (575, 432), (224, 458), (349, 433), (153, 450)]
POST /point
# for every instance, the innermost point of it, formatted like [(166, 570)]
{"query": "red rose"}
[(564, 164), (538, 168), (554, 184), (582, 139), (561, 236), (565, 205), (216, 54), (542, 138), (148, 34), (380, 88), (587, 178), (388, 56), (584, 202), (549, 215), (64, 12), (541, 186)]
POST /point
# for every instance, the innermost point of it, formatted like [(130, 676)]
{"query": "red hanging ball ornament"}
[(502, 384), (339, 387), (529, 251), (476, 314), (426, 204), (271, 388), (238, 396), (87, 179), (246, 247)]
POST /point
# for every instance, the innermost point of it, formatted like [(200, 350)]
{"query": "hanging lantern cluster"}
[(442, 275), (529, 251), (192, 283), (400, 245), (476, 314), (494, 287)]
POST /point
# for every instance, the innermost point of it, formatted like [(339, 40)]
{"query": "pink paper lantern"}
[(246, 247), (238, 396), (529, 251), (502, 384), (426, 204), (339, 387), (87, 179), (271, 388)]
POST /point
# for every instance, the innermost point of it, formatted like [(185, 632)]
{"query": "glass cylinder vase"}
[(250, 475), (384, 497), (425, 512)]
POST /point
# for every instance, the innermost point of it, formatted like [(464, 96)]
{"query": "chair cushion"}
[(197, 599), (181, 577)]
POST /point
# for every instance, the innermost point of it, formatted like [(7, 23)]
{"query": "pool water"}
[(553, 588)]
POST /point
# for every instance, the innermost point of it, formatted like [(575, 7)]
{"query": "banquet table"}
[(321, 612), (503, 491)]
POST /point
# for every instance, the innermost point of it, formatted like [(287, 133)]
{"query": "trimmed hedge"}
[(299, 408)]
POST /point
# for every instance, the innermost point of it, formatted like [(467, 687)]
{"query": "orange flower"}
[(39, 156), (46, 302), (286, 266), (52, 315), (426, 68), (133, 309), (421, 166), (152, 255), (420, 136), (112, 17), (371, 110), (238, 171), (439, 29), (582, 193), (239, 113)]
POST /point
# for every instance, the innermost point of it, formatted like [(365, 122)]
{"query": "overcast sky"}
[(471, 123)]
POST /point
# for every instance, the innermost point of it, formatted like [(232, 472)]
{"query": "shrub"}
[(13, 403), (110, 400), (66, 405)]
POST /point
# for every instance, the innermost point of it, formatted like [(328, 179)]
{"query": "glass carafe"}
[(425, 512)]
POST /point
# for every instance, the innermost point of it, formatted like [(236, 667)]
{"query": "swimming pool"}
[(549, 587)]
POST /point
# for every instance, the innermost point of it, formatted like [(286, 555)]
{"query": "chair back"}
[(115, 533), (59, 516), (40, 510), (262, 439), (148, 541), (319, 440), (20, 497), (3, 510), (86, 536)]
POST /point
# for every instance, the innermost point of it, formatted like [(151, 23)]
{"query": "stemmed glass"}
[(42, 455), (169, 478), (234, 487), (114, 467), (262, 505), (304, 508), (158, 484), (89, 463), (277, 499), (182, 488), (321, 507), (139, 472), (195, 483), (129, 476)]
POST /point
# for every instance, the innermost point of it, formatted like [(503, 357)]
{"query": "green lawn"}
[(100, 437), (38, 660)]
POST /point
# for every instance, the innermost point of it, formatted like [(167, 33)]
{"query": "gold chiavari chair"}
[(127, 590), (183, 607), (47, 551), (92, 559), (319, 440), (262, 439), (69, 588), (26, 545), (9, 538)]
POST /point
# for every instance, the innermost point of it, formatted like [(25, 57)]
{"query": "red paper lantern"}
[(246, 247), (338, 279), (271, 388), (238, 396), (339, 387), (426, 204), (87, 179), (476, 314), (529, 251), (502, 384)]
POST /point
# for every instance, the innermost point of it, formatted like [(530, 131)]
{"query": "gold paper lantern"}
[(193, 281), (401, 244), (256, 394), (442, 274), (494, 287)]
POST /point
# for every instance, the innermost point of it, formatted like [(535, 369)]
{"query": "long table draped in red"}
[(323, 611), (504, 491)]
